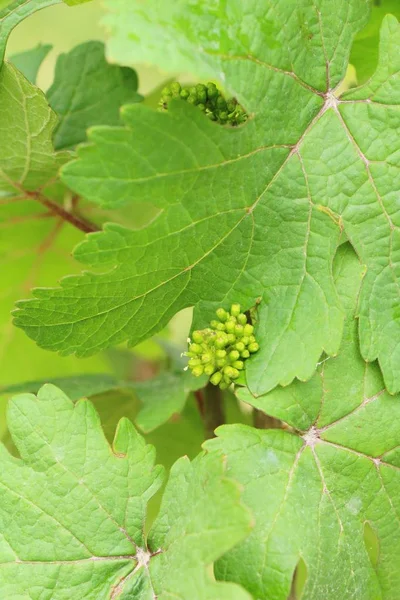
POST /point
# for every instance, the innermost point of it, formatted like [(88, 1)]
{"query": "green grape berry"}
[(220, 351)]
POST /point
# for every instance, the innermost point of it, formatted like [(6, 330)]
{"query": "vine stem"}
[(211, 408), (56, 209)]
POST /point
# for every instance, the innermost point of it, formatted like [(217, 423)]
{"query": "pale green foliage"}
[(255, 212), (30, 61), (88, 91), (313, 492), (27, 157), (73, 511)]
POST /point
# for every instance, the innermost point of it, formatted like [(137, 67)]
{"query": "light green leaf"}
[(88, 91), (29, 61), (78, 530), (364, 52), (27, 157), (247, 213), (13, 13), (35, 242), (162, 396), (75, 2), (314, 490)]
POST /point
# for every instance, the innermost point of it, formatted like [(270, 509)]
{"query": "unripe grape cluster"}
[(208, 99), (221, 350)]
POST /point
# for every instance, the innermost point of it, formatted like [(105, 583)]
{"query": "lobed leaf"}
[(88, 91), (29, 62), (247, 214), (317, 491), (73, 511)]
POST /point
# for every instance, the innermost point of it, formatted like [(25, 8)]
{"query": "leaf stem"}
[(76, 221), (213, 410)]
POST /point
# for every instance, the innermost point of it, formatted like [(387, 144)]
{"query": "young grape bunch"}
[(208, 99), (221, 350)]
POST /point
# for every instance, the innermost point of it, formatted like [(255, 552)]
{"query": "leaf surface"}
[(314, 492), (255, 212), (90, 502), (88, 91)]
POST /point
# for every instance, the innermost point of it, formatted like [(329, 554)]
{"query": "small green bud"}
[(212, 90), (206, 358), (223, 116), (239, 330), (175, 88), (223, 385), (221, 341), (216, 378), (234, 355), (192, 99), (215, 324), (185, 93), (240, 346), (253, 347), (194, 362), (230, 326), (197, 371), (235, 310), (209, 369), (231, 372), (245, 354), (220, 353), (242, 319), (197, 337), (201, 106), (195, 348), (248, 329), (252, 338), (231, 338), (220, 362), (222, 314), (166, 92), (238, 364), (245, 340)]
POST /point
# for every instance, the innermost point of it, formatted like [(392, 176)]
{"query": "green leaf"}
[(32, 239), (13, 13), (27, 157), (88, 91), (29, 61), (273, 195), (314, 489), (162, 396), (364, 52), (81, 507)]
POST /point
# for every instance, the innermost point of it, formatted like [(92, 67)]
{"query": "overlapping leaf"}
[(88, 91), (73, 511), (29, 62), (314, 492), (255, 212)]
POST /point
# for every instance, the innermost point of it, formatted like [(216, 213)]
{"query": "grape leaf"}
[(246, 213), (29, 61), (314, 490), (162, 396), (364, 52), (32, 239), (88, 91), (14, 13), (73, 511)]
